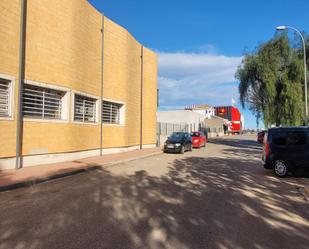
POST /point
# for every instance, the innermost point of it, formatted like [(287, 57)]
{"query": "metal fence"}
[(167, 129)]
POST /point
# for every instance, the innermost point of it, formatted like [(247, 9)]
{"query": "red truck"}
[(232, 114)]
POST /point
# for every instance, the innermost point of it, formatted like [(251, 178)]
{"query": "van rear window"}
[(279, 139), (297, 138), (290, 138)]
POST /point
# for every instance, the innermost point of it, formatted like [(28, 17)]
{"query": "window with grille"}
[(84, 109), (4, 98), (111, 112), (42, 103)]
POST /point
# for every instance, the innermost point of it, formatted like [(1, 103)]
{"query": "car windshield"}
[(177, 135), (195, 134)]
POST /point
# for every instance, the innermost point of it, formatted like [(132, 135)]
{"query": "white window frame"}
[(98, 109), (64, 107), (11, 81), (122, 114)]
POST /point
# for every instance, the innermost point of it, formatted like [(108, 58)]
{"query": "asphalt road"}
[(218, 197)]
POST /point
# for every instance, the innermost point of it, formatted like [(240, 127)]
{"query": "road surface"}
[(218, 197)]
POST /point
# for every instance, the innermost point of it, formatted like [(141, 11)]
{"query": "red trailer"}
[(232, 114)]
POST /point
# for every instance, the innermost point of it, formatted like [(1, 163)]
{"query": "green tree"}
[(271, 83)]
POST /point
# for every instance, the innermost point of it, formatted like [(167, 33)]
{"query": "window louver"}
[(111, 112), (84, 109), (4, 98), (43, 103)]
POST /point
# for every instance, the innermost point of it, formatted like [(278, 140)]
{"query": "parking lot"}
[(215, 197)]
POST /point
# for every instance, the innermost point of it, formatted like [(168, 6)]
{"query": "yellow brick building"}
[(68, 61)]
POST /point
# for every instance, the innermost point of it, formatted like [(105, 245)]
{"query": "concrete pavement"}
[(218, 197)]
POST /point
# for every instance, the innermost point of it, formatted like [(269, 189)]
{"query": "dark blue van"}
[(286, 149)]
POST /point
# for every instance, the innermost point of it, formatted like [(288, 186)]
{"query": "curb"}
[(36, 181)]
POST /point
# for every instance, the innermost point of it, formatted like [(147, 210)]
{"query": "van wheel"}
[(182, 150), (280, 168)]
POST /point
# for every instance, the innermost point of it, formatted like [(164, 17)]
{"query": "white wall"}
[(181, 117), (207, 113)]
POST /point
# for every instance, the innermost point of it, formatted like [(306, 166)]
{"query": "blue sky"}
[(200, 43)]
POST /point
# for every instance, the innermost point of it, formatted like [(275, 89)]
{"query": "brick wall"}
[(63, 49), (9, 47)]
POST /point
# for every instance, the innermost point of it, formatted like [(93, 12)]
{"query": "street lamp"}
[(280, 28)]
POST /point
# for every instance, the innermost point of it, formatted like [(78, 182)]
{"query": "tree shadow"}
[(240, 143), (201, 203)]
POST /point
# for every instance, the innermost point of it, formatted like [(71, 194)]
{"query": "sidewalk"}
[(12, 179)]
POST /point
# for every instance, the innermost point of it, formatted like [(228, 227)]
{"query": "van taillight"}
[(266, 149)]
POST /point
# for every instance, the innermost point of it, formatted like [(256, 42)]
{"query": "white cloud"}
[(195, 78)]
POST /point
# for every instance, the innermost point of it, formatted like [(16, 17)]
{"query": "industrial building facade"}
[(88, 86)]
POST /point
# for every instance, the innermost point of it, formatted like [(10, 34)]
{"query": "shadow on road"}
[(201, 203), (240, 143)]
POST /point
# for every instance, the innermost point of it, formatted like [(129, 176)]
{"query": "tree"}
[(271, 83)]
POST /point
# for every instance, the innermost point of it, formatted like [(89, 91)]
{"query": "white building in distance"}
[(193, 120), (206, 110)]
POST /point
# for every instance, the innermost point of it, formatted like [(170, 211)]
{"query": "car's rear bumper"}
[(267, 166), (267, 163)]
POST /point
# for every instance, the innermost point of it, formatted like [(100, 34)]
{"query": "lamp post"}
[(280, 28)]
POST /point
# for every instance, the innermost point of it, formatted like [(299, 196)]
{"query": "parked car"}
[(178, 142), (198, 139), (286, 150), (260, 136)]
